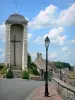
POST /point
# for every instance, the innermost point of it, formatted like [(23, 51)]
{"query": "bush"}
[(1, 66), (9, 74), (25, 75), (3, 70), (30, 71)]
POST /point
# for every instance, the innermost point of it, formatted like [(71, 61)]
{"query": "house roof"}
[(41, 64)]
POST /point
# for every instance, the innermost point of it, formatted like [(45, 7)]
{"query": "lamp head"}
[(47, 41)]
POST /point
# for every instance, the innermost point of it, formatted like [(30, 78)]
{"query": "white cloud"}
[(2, 32), (3, 54), (53, 54), (27, 18), (69, 55), (73, 41), (2, 29), (33, 55), (29, 35), (51, 17), (44, 18), (55, 36), (65, 48), (39, 40), (1, 50), (67, 16)]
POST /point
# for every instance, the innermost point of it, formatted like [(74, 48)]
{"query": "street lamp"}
[(47, 41)]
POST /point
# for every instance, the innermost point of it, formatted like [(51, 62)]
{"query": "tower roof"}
[(16, 19)]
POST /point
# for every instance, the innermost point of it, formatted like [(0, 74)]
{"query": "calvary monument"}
[(16, 42)]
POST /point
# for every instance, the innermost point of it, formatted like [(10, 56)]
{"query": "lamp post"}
[(47, 41)]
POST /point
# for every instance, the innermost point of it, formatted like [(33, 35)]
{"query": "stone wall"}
[(65, 90), (7, 44), (25, 48)]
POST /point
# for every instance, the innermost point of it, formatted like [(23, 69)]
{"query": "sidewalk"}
[(39, 93)]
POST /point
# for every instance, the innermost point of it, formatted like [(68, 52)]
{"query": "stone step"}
[(17, 73), (16, 67)]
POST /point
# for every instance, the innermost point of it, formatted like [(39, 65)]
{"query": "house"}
[(41, 65)]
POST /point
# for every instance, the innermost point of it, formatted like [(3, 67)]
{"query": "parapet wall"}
[(65, 90)]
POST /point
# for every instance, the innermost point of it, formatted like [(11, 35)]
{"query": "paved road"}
[(17, 89)]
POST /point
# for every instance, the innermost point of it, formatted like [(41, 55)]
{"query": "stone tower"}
[(16, 42)]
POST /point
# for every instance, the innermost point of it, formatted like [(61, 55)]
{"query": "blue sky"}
[(53, 18)]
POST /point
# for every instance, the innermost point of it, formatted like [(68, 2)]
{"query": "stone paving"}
[(39, 93)]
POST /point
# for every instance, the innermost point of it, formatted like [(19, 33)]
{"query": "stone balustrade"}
[(66, 91)]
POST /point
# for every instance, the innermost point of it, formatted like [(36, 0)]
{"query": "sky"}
[(52, 18)]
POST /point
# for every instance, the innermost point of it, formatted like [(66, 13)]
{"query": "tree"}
[(32, 68), (1, 66), (62, 65), (29, 61), (33, 65)]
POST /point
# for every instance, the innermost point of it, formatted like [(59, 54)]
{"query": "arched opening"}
[(16, 46)]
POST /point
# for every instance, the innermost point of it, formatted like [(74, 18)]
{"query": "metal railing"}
[(66, 91)]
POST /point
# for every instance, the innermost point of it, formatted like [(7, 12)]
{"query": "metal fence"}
[(66, 91)]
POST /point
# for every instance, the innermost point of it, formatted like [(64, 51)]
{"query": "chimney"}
[(39, 55)]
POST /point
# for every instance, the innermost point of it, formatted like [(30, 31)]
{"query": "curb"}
[(30, 95)]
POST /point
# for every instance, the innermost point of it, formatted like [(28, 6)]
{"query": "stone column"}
[(24, 54), (7, 44)]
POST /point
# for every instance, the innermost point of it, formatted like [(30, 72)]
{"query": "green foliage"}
[(29, 61), (25, 75), (30, 71), (3, 70), (32, 68), (62, 65), (9, 74), (1, 66), (35, 71), (33, 65)]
